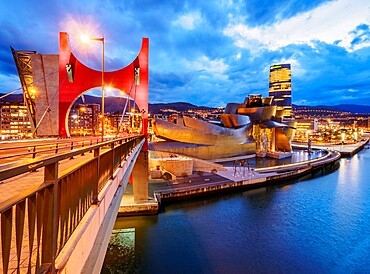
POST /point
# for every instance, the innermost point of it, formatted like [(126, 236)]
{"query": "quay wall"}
[(348, 154), (269, 178)]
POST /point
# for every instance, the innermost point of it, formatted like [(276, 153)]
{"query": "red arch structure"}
[(85, 78)]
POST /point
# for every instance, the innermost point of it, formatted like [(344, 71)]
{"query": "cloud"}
[(188, 21), (331, 22), (361, 37), (207, 52), (215, 67)]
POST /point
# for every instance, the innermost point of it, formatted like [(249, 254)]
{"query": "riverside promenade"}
[(346, 150), (231, 179)]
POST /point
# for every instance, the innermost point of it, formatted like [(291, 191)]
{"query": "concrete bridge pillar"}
[(140, 175)]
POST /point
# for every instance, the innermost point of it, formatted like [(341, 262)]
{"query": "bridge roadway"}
[(13, 152), (16, 150), (74, 177)]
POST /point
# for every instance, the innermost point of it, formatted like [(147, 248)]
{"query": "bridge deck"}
[(16, 189), (14, 186)]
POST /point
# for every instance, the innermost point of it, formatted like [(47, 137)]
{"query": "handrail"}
[(53, 146), (48, 214), (23, 166)]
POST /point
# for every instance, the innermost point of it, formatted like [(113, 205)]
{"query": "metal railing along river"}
[(36, 224)]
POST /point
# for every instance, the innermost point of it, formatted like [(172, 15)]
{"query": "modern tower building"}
[(280, 87)]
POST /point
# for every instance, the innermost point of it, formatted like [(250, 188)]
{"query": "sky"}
[(207, 53)]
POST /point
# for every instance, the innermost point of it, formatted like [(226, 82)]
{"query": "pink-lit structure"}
[(85, 78)]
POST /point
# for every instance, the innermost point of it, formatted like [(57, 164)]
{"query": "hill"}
[(354, 108), (116, 104)]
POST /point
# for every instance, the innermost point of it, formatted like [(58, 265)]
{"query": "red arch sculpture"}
[(85, 78)]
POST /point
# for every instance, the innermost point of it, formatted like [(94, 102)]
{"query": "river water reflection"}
[(316, 224)]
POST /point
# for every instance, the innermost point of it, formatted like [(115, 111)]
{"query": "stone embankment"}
[(241, 178)]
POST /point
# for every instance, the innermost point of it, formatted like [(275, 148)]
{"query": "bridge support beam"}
[(140, 177)]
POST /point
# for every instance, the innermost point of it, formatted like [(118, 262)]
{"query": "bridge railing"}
[(51, 147), (36, 224)]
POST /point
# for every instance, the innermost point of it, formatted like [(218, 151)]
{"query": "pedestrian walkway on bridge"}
[(55, 194)]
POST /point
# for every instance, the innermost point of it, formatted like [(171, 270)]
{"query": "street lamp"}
[(86, 39)]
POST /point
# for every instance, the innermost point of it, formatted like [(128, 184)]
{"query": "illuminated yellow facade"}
[(14, 122), (280, 87)]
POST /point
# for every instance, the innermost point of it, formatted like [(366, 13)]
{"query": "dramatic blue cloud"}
[(207, 52), (362, 35)]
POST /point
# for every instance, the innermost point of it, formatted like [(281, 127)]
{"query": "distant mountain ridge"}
[(116, 104), (354, 108), (360, 109)]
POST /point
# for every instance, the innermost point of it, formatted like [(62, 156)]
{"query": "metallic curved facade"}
[(200, 132), (253, 122)]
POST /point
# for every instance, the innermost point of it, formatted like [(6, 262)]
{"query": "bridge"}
[(63, 223), (59, 199)]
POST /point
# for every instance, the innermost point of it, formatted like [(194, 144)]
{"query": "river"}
[(316, 224)]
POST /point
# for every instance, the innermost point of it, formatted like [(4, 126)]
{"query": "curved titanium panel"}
[(234, 120), (258, 113), (199, 133)]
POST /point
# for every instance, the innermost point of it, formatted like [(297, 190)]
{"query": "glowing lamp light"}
[(85, 38), (32, 90)]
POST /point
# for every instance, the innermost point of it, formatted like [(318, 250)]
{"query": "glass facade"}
[(280, 87), (14, 122)]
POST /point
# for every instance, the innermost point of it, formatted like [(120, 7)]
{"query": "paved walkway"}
[(345, 149), (229, 175), (15, 186)]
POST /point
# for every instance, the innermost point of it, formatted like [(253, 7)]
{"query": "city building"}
[(280, 87), (14, 121), (112, 123), (84, 120), (305, 128)]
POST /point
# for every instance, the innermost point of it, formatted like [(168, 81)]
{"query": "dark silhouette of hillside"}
[(117, 104)]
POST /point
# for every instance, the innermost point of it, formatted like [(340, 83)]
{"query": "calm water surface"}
[(317, 224)]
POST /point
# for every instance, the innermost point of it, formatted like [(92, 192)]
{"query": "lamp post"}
[(100, 39), (102, 85)]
